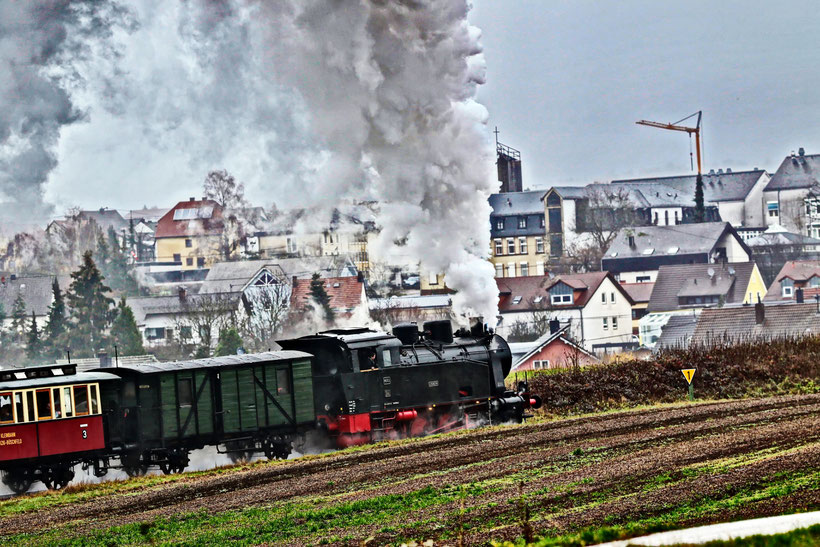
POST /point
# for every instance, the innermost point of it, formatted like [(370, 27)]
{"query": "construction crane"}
[(676, 127), (700, 210)]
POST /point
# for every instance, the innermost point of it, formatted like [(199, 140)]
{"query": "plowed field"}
[(582, 479)]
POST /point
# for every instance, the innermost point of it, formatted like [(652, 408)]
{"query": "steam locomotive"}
[(346, 386)]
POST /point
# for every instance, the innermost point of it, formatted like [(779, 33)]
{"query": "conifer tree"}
[(124, 331), (229, 342), (18, 318), (55, 329), (90, 309), (34, 347), (700, 210), (319, 294)]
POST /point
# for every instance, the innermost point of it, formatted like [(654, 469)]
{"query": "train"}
[(345, 387)]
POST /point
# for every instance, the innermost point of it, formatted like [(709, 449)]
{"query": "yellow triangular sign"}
[(688, 373)]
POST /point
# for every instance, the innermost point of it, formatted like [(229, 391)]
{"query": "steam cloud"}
[(40, 40), (309, 102)]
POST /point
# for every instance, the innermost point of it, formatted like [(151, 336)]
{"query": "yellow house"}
[(191, 234), (519, 246)]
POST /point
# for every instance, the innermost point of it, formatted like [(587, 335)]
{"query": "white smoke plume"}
[(41, 44), (309, 102)]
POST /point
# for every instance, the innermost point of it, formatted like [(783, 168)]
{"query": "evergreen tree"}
[(700, 210), (18, 318), (229, 342), (124, 331), (90, 309), (55, 329), (319, 294), (34, 348), (103, 254)]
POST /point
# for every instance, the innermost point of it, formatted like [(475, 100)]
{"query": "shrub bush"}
[(790, 365)]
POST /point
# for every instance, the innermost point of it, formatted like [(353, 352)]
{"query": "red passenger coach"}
[(50, 420)]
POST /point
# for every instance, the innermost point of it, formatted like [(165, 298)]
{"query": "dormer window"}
[(560, 294), (522, 222), (787, 287), (814, 282), (499, 224)]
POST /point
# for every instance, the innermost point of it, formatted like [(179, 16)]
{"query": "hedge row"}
[(743, 370)]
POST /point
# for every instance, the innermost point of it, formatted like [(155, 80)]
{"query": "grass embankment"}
[(780, 367), (567, 482)]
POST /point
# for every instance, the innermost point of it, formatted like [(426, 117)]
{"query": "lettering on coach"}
[(9, 439)]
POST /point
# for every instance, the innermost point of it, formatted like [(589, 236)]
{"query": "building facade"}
[(519, 246)]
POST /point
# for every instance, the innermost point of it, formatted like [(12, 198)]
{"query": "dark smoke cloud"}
[(39, 42)]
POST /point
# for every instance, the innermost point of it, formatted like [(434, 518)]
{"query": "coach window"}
[(80, 400), (44, 404), (387, 360), (58, 404), (30, 406), (282, 381), (18, 407), (67, 410), (95, 399), (6, 408)]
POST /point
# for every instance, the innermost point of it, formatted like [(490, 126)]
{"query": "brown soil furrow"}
[(627, 472), (516, 448)]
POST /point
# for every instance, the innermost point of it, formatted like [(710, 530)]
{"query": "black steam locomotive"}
[(349, 386)]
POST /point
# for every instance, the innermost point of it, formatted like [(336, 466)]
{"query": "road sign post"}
[(689, 373)]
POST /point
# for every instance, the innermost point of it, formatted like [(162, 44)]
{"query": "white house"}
[(792, 196), (597, 309)]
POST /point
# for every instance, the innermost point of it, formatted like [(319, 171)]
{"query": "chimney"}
[(182, 293), (728, 169), (711, 171), (555, 326), (760, 313), (105, 359), (192, 199), (631, 241), (798, 296), (720, 171), (801, 151)]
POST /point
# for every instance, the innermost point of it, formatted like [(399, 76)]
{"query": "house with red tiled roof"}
[(346, 294), (554, 349), (190, 234), (797, 280), (596, 307)]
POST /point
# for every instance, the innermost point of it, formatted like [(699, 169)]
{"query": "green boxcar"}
[(188, 404)]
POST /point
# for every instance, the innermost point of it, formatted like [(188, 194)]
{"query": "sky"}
[(566, 82)]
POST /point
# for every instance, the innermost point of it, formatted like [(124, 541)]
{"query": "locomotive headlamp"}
[(327, 408)]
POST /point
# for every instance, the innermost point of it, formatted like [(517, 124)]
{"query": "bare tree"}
[(605, 210), (266, 310), (207, 314), (223, 188)]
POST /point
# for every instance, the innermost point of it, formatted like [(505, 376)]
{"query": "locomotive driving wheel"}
[(18, 480), (57, 478)]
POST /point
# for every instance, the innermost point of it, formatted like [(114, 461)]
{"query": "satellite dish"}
[(711, 272), (552, 275), (731, 271)]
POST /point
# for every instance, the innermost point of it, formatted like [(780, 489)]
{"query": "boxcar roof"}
[(81, 378), (215, 362)]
